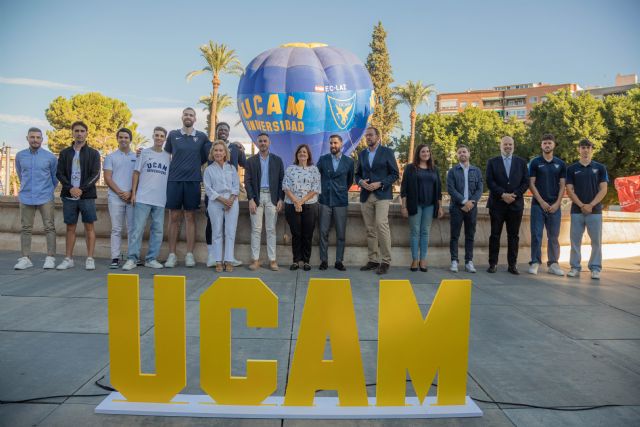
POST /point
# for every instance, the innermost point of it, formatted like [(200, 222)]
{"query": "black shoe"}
[(294, 266), (424, 269), (513, 270), (492, 269), (306, 266), (340, 266), (383, 268), (115, 263), (323, 265), (413, 268), (370, 266)]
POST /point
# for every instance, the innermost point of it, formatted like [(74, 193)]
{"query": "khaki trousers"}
[(27, 214), (375, 214)]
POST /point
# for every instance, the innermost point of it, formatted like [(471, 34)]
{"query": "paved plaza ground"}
[(540, 340)]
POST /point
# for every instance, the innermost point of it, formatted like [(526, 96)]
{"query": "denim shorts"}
[(71, 208), (183, 195)]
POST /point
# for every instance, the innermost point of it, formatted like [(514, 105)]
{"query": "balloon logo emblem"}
[(342, 110)]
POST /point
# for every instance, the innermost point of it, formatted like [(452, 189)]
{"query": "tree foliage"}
[(413, 94), (223, 101), (385, 116), (103, 115)]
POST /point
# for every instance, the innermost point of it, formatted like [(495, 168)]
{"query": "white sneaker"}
[(211, 261), (470, 267), (454, 266), (66, 263), (49, 263), (555, 269), (90, 264), (171, 261), (574, 272), (236, 263), (533, 268), (595, 275), (130, 264), (153, 264), (189, 260), (23, 263)]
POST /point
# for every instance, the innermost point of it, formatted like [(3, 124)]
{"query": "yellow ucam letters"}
[(170, 338), (328, 313), (422, 347)]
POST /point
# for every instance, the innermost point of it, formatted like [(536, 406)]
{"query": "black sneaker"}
[(115, 263), (323, 265), (370, 266), (340, 266)]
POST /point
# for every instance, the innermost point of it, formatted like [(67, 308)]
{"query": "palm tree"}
[(224, 101), (413, 94), (219, 59)]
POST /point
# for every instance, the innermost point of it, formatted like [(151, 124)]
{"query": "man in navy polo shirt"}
[(546, 182), (189, 149), (586, 185)]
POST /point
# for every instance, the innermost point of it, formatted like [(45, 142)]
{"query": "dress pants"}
[(339, 216), (302, 225), (498, 218)]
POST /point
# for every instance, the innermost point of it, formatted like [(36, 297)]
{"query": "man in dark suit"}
[(507, 179), (336, 176), (263, 176), (376, 172)]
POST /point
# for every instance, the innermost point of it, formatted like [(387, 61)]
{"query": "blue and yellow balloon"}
[(303, 93)]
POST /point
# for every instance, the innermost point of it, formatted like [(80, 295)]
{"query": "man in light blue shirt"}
[(36, 169)]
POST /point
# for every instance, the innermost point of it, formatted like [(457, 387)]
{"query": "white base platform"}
[(192, 405)]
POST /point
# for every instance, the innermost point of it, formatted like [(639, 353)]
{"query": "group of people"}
[(169, 175)]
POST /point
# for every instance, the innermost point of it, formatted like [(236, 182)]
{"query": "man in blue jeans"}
[(586, 185), (464, 185), (546, 182)]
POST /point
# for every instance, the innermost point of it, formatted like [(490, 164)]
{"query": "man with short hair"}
[(189, 150), (78, 171), (586, 185), (376, 172), (149, 197), (237, 158), (118, 173), (336, 176), (36, 170), (507, 179), (464, 184), (546, 182), (263, 177)]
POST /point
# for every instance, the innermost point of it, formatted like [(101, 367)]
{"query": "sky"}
[(141, 51)]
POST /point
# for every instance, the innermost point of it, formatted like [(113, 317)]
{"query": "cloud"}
[(22, 81), (23, 120)]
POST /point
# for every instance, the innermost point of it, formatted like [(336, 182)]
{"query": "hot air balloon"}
[(303, 93)]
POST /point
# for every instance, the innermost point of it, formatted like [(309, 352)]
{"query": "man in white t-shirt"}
[(118, 173), (149, 196)]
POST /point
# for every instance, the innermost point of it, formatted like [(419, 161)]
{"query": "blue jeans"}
[(141, 212), (420, 225), (593, 224), (551, 221), (469, 219)]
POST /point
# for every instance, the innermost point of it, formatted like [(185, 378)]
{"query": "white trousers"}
[(268, 209), (223, 229), (119, 211)]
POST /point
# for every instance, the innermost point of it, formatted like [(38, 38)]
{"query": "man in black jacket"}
[(263, 176), (78, 171), (507, 179)]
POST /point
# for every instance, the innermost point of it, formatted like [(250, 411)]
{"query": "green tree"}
[(224, 101), (569, 118), (219, 59), (413, 94), (103, 115), (385, 117), (400, 145)]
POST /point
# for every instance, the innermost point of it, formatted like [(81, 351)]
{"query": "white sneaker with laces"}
[(189, 260), (533, 268), (574, 272), (23, 263), (454, 266), (211, 261), (130, 264), (153, 264), (65, 264), (469, 267), (555, 269), (49, 263), (171, 261), (236, 263), (90, 264), (595, 275)]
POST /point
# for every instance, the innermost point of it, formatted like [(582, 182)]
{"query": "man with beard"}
[(336, 176), (546, 181), (189, 149)]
